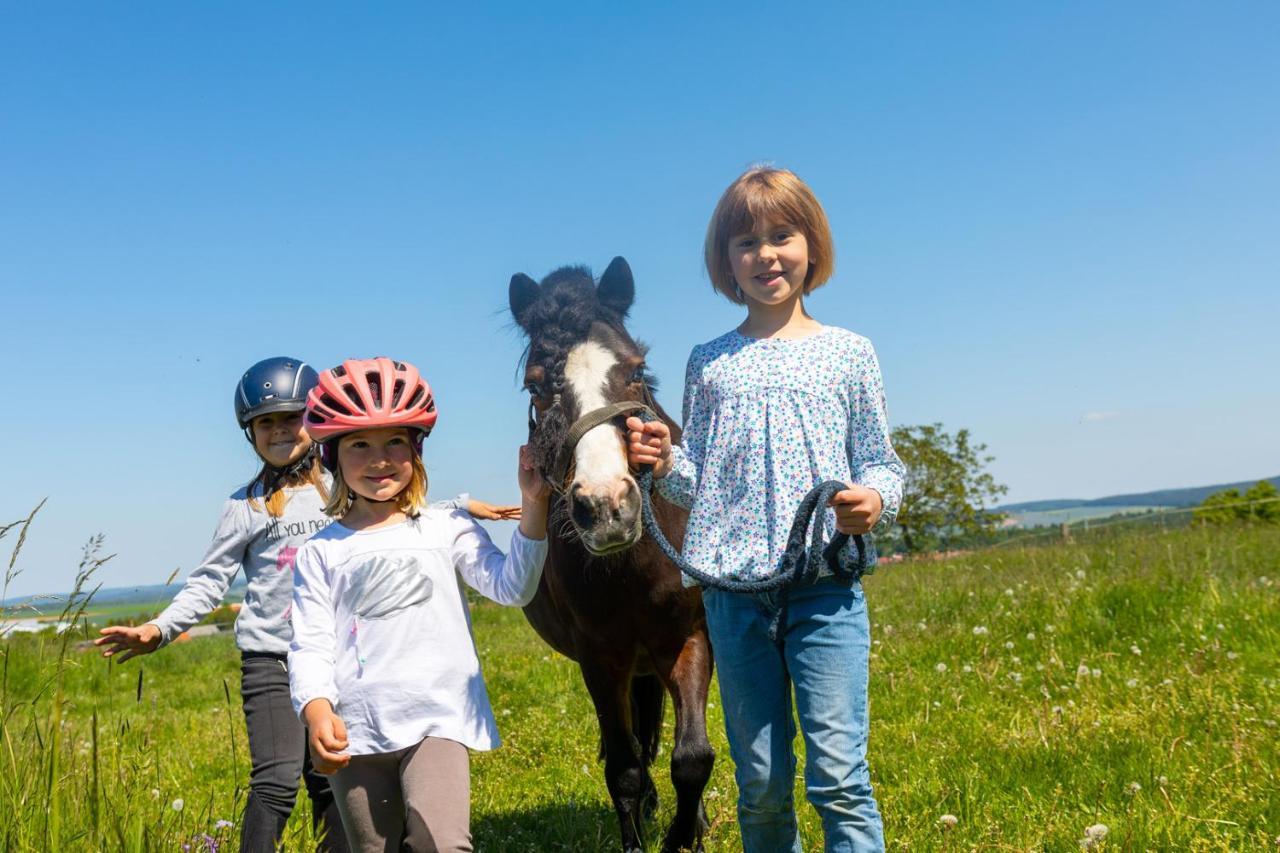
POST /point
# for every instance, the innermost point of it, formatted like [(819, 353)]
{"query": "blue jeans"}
[(824, 657)]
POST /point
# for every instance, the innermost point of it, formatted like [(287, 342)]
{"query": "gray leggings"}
[(421, 794)]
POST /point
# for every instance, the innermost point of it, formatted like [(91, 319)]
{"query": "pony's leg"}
[(648, 696), (688, 677), (624, 771)]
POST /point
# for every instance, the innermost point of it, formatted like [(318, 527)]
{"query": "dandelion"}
[(1221, 627), (966, 668), (1131, 683), (947, 821), (1082, 671), (178, 804), (937, 704), (1080, 574), (941, 667), (1049, 629), (1232, 655), (1056, 709), (1015, 677), (1097, 673), (979, 630), (1133, 789), (1009, 645), (1009, 592), (1137, 651), (1097, 832), (1162, 781), (155, 793), (1031, 635), (922, 626), (1016, 660)]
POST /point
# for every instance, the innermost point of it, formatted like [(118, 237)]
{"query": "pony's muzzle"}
[(607, 515)]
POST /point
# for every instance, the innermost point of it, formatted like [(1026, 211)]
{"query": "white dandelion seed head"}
[(1097, 673), (1031, 635), (1232, 655), (979, 630), (923, 626), (1083, 670), (1080, 574), (1132, 788), (1097, 832), (177, 804), (1009, 592), (1131, 683), (947, 821), (1134, 648), (967, 668), (155, 793), (1163, 780), (1049, 629), (940, 666)]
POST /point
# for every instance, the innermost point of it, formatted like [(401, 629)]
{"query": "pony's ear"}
[(522, 293), (617, 288)]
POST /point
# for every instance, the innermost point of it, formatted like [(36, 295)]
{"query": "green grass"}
[(1172, 746)]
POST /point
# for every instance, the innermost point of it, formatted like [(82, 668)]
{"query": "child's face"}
[(376, 464), (771, 263), (280, 438)]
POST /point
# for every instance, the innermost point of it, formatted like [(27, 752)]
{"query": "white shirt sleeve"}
[(209, 582), (311, 653), (510, 578)]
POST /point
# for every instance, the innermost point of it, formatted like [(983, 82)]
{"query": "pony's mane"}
[(562, 315)]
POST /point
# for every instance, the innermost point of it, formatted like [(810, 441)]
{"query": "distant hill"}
[(1163, 498), (55, 602)]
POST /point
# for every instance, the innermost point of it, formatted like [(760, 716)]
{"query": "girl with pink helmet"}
[(262, 526), (383, 668)]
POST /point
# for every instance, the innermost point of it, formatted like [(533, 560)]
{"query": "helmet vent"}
[(339, 371), (416, 398), (397, 391), (375, 388), (332, 403)]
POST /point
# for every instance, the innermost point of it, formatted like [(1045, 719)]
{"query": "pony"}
[(608, 599)]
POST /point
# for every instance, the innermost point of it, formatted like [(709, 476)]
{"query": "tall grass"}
[(1129, 680)]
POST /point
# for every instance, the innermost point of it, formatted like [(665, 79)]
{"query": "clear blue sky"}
[(1058, 224)]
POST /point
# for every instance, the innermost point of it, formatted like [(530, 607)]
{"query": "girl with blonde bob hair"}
[(772, 409)]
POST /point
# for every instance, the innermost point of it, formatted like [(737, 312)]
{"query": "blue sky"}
[(1056, 223)]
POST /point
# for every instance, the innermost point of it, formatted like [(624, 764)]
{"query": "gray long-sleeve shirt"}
[(263, 547)]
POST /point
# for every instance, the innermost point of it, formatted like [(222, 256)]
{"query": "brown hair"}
[(410, 500), (271, 483), (764, 194)]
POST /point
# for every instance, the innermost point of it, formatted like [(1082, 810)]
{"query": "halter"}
[(583, 425)]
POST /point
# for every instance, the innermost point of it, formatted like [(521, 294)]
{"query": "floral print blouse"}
[(766, 420)]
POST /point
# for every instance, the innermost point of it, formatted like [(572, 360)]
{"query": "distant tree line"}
[(1260, 503)]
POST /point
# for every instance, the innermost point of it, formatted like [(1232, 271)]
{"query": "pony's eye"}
[(637, 378), (533, 388)]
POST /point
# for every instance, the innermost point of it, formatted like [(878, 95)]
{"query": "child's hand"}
[(327, 737), (857, 509), (649, 444), (535, 491), (533, 488), (492, 512), (142, 640)]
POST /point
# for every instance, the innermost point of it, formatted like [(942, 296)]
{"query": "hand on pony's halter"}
[(649, 443)]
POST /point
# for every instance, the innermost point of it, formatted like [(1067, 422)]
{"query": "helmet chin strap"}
[(300, 467)]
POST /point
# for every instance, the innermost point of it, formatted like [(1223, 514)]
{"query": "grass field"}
[(1129, 680)]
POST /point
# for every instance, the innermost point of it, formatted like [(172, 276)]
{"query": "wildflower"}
[(1080, 574), (1162, 781), (1134, 648), (1082, 671), (1097, 673), (1031, 635), (223, 824), (1049, 629), (1016, 660), (1056, 709), (1133, 789), (967, 668), (922, 626), (979, 630), (1009, 645), (1221, 627), (155, 793), (941, 667), (1009, 592), (1232, 656), (1015, 677), (178, 804), (1131, 683), (947, 821), (1097, 832)]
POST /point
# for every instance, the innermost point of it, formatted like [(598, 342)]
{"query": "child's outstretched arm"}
[(493, 512), (200, 594)]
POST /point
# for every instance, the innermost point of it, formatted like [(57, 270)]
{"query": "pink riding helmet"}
[(369, 394)]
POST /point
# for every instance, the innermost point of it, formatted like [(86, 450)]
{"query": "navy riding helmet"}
[(277, 384)]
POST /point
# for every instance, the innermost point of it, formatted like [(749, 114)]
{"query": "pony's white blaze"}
[(600, 458)]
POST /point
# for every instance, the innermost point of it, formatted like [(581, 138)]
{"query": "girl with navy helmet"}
[(263, 525)]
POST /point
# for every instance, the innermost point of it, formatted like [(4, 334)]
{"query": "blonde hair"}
[(269, 484), (410, 500), (761, 195)]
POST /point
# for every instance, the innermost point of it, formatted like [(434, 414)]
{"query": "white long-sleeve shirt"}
[(382, 630), (250, 540)]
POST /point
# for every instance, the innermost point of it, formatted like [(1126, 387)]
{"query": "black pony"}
[(608, 598)]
